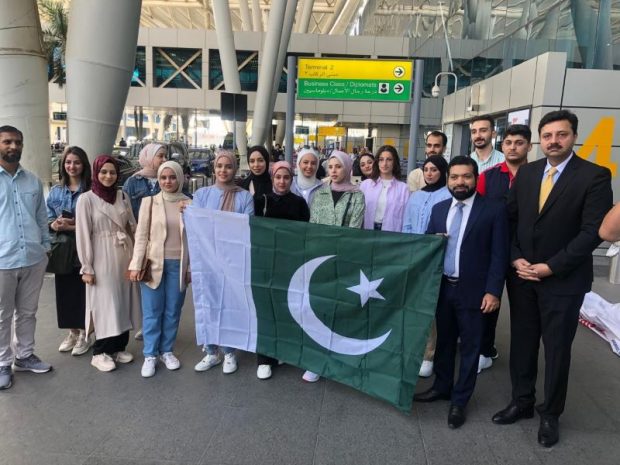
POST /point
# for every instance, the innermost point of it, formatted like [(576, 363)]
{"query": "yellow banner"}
[(336, 68), (332, 131)]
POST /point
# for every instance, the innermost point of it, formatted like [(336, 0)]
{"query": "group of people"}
[(529, 226)]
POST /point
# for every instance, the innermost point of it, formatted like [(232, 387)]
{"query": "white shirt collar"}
[(561, 166), (468, 202)]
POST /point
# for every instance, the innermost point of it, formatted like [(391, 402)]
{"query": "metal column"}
[(101, 55), (267, 71), (306, 15), (414, 127), (287, 28), (228, 55), (289, 141), (24, 100)]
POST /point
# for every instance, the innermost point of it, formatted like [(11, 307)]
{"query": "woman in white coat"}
[(160, 238), (104, 225)]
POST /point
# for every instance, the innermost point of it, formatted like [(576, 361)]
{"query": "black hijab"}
[(262, 182), (442, 165)]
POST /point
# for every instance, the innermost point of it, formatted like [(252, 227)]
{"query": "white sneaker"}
[(484, 363), (208, 362), (310, 377), (148, 367), (171, 362), (123, 356), (139, 336), (263, 372), (426, 369), (83, 343), (68, 342), (103, 362), (230, 364)]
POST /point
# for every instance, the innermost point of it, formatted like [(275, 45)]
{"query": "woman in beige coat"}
[(104, 224), (161, 239)]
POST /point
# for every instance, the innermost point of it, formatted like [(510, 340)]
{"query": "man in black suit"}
[(555, 206), (475, 266)]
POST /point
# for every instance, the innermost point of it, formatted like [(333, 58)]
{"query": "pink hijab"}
[(345, 185), (147, 154)]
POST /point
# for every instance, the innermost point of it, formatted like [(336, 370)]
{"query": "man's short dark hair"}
[(519, 130), (444, 138), (11, 130), (484, 118), (463, 160), (559, 115)]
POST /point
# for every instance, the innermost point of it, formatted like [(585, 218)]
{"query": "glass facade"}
[(248, 74), (588, 31), (138, 78), (177, 68)]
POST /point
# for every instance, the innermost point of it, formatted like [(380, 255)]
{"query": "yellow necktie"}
[(545, 188)]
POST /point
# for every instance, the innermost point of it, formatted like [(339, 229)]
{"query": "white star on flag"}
[(367, 289)]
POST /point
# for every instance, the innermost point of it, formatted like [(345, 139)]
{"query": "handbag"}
[(63, 258), (145, 269)]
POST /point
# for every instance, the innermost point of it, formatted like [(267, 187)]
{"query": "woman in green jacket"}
[(338, 203)]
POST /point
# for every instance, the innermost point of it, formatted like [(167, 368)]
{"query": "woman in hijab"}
[(160, 238), (280, 203), (144, 182), (421, 203), (226, 196), (385, 195), (417, 216), (104, 225), (258, 182), (306, 183), (339, 203)]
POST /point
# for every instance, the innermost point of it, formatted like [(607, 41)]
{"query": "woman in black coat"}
[(279, 203)]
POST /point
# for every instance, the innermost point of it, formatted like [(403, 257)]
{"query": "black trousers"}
[(70, 300), (534, 313), (454, 321), (264, 360), (111, 345)]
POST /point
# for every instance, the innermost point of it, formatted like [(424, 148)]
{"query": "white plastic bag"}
[(603, 318)]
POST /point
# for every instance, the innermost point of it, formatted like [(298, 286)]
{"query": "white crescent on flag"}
[(302, 312)]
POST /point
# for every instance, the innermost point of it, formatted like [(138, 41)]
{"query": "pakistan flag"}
[(354, 306)]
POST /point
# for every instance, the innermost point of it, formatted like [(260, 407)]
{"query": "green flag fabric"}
[(354, 306)]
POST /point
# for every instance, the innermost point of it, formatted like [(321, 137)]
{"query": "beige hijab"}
[(230, 188), (173, 196)]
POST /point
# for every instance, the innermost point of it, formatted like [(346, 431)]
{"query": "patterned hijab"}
[(229, 188), (106, 193), (147, 154), (345, 185)]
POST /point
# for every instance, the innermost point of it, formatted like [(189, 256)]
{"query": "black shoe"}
[(430, 395), (512, 413), (456, 417), (549, 431)]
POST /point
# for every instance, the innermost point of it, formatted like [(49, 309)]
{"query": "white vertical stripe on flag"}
[(221, 264)]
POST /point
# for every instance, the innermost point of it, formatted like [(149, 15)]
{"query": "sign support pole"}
[(416, 104), (289, 142)]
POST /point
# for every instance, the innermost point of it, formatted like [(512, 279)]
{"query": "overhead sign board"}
[(332, 131), (350, 79), (302, 130)]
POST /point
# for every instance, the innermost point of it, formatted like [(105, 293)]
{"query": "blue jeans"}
[(161, 311), (212, 349)]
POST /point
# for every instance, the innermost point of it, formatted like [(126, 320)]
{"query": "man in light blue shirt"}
[(482, 129), (24, 242)]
